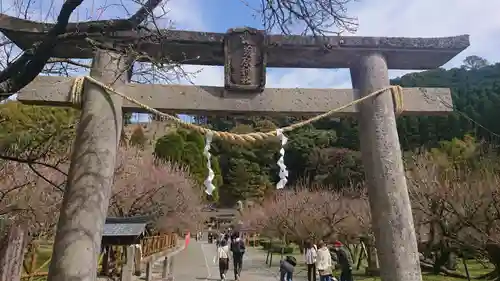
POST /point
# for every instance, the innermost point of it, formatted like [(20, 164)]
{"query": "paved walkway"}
[(196, 262)]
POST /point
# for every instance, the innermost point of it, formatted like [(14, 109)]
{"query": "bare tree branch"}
[(141, 15), (31, 63), (20, 73), (32, 162), (317, 17)]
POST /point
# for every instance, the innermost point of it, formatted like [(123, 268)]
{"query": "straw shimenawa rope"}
[(77, 90)]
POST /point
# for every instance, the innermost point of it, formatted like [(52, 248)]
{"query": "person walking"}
[(287, 267), (310, 257), (344, 258), (219, 239), (223, 255), (238, 250), (324, 262), (210, 235)]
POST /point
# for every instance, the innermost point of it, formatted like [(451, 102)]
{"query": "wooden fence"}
[(251, 239), (155, 244), (36, 261)]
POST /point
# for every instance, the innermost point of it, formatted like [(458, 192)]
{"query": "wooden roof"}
[(123, 229), (131, 226)]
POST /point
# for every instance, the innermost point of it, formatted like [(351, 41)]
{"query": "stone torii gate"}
[(245, 54)]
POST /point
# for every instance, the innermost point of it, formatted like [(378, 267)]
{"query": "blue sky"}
[(411, 18)]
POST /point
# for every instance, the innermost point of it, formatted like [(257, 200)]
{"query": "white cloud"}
[(409, 18), (186, 14), (428, 18)]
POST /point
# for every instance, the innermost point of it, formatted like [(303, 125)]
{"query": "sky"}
[(398, 18)]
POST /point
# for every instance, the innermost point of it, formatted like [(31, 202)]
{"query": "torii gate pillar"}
[(86, 198), (392, 220)]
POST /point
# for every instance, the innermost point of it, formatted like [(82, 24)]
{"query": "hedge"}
[(282, 248), (266, 242)]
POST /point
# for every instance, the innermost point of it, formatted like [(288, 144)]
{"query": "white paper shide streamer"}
[(281, 161), (209, 186)]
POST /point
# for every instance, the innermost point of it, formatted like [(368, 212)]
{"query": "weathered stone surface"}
[(12, 252), (206, 48), (54, 91), (391, 214), (245, 60), (77, 243)]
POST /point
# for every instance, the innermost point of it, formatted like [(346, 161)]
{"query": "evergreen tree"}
[(186, 148)]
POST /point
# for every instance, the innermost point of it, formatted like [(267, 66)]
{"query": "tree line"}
[(327, 153), (454, 197), (324, 154)]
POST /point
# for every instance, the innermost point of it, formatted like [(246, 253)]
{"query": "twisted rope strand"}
[(77, 90)]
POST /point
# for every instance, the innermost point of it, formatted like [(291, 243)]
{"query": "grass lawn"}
[(475, 269), (43, 255)]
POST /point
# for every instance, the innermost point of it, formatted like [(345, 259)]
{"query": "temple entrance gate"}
[(245, 53)]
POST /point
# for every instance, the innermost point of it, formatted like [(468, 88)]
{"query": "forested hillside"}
[(326, 154)]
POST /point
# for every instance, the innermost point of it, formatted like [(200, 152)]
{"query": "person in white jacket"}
[(310, 255), (324, 263), (223, 256)]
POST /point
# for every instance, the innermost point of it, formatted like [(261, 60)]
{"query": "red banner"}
[(187, 238)]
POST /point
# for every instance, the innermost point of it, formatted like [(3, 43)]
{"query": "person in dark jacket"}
[(238, 250), (287, 267), (344, 259)]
